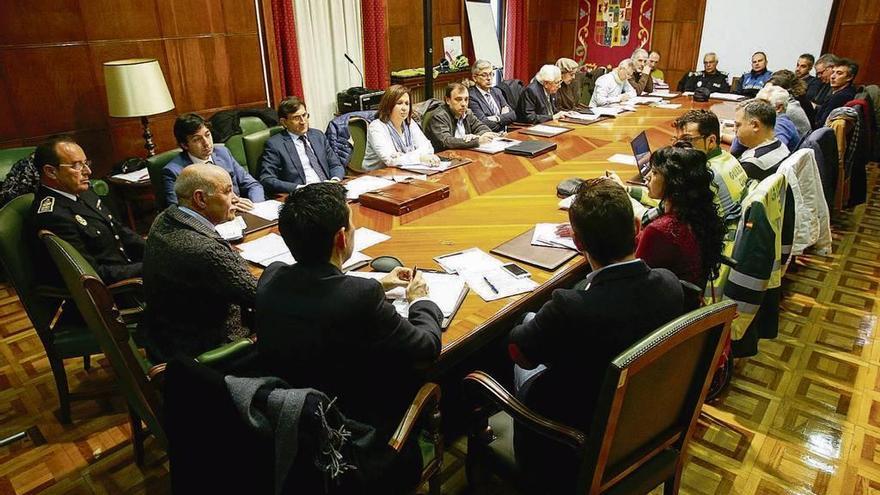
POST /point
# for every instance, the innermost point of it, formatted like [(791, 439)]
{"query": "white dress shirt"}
[(311, 176), (381, 151), (198, 161), (609, 88)]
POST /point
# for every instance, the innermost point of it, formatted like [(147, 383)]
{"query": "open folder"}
[(447, 290)]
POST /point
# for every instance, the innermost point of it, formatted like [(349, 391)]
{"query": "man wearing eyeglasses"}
[(824, 68), (487, 102), (65, 205), (298, 155), (710, 77), (537, 103)]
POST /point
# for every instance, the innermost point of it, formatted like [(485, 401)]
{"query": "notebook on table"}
[(545, 130), (520, 248), (531, 148)]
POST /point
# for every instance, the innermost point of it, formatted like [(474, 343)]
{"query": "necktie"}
[(313, 160), (492, 104)]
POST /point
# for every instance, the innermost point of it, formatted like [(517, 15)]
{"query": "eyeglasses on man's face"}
[(299, 118), (76, 167)]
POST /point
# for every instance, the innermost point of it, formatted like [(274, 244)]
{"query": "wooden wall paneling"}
[(404, 35), (105, 52), (856, 35), (551, 26), (191, 17), (119, 19), (272, 68), (125, 135), (55, 91), (201, 66), (9, 131), (678, 27), (40, 21), (247, 69), (240, 17)]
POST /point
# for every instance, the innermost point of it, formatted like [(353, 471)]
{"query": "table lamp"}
[(136, 88)]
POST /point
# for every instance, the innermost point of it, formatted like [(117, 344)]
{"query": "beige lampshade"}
[(136, 88)]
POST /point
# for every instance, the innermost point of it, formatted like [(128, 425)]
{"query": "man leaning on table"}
[(614, 86), (194, 136), (488, 102), (320, 328), (298, 155), (453, 126)]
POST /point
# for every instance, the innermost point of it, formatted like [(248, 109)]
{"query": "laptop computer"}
[(642, 153)]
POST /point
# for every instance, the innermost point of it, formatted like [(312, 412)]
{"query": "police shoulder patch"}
[(47, 205)]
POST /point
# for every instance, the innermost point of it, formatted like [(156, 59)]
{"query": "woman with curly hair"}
[(687, 239)]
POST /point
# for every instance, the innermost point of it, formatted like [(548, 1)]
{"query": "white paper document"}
[(446, 290), (271, 248), (496, 283), (363, 184), (727, 96), (608, 111), (548, 129), (663, 94), (231, 230), (473, 259), (622, 159), (668, 106), (427, 167), (136, 176), (364, 238), (496, 145), (565, 203), (644, 100), (583, 116), (267, 210), (545, 235)]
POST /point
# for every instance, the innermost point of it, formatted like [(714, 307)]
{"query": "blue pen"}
[(490, 284)]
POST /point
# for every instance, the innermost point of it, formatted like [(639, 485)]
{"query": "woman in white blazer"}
[(394, 139)]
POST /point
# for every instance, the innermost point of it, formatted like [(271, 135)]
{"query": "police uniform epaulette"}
[(722, 72)]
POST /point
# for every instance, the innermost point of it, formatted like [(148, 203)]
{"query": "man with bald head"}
[(65, 205), (196, 285)]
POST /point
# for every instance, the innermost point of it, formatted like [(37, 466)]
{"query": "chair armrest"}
[(129, 284), (486, 386), (156, 374), (225, 351), (427, 397)]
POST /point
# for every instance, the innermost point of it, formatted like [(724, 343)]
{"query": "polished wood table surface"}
[(497, 197)]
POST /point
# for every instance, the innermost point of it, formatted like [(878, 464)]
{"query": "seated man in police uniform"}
[(298, 155), (710, 77), (65, 205), (453, 126), (194, 136)]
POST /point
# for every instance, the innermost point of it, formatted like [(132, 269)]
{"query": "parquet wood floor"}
[(802, 417)]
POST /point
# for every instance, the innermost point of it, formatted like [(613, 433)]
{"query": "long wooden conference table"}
[(498, 197)]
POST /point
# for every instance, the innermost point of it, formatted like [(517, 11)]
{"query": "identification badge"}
[(81, 220)]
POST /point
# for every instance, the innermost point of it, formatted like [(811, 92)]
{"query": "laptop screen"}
[(642, 153)]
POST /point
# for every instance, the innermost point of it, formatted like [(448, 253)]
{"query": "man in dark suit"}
[(453, 126), (320, 328), (298, 155), (842, 89), (194, 136), (488, 102), (65, 205), (569, 343), (538, 101)]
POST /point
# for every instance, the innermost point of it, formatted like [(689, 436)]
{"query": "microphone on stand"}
[(356, 68)]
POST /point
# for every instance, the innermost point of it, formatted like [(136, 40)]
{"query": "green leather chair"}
[(60, 341), (134, 373), (235, 143), (157, 163), (254, 143), (357, 128), (636, 442)]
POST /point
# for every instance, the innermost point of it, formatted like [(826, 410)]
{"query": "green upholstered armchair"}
[(357, 129), (254, 143), (235, 143), (636, 441), (157, 163)]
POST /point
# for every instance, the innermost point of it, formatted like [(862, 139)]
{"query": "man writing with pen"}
[(320, 328), (453, 125)]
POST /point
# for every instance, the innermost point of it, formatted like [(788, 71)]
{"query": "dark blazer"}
[(319, 328), (113, 250), (482, 110), (280, 168), (577, 334), (242, 183), (835, 100), (440, 129), (823, 142), (533, 107)]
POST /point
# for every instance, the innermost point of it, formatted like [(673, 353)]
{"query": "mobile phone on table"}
[(516, 271)]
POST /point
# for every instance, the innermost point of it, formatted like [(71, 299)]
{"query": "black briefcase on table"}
[(531, 148)]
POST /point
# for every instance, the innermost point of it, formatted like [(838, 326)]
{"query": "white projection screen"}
[(783, 29), (485, 39)]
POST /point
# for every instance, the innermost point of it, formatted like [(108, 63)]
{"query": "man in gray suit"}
[(298, 155), (488, 102), (453, 126)]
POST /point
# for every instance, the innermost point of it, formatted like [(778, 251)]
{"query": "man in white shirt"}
[(298, 155), (614, 86)]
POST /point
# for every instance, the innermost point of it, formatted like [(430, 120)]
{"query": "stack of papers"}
[(545, 235), (267, 210), (663, 93), (484, 274), (609, 111), (645, 99), (231, 230), (622, 159), (727, 96), (496, 145), (427, 167), (141, 175), (364, 184), (668, 106), (547, 130), (271, 248), (445, 289), (589, 117)]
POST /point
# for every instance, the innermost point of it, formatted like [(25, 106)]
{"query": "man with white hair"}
[(614, 87), (710, 77), (538, 101), (788, 106), (641, 79)]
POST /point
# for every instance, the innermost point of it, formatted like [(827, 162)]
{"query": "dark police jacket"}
[(109, 246), (716, 82)]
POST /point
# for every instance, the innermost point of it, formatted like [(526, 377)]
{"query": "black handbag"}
[(702, 94)]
